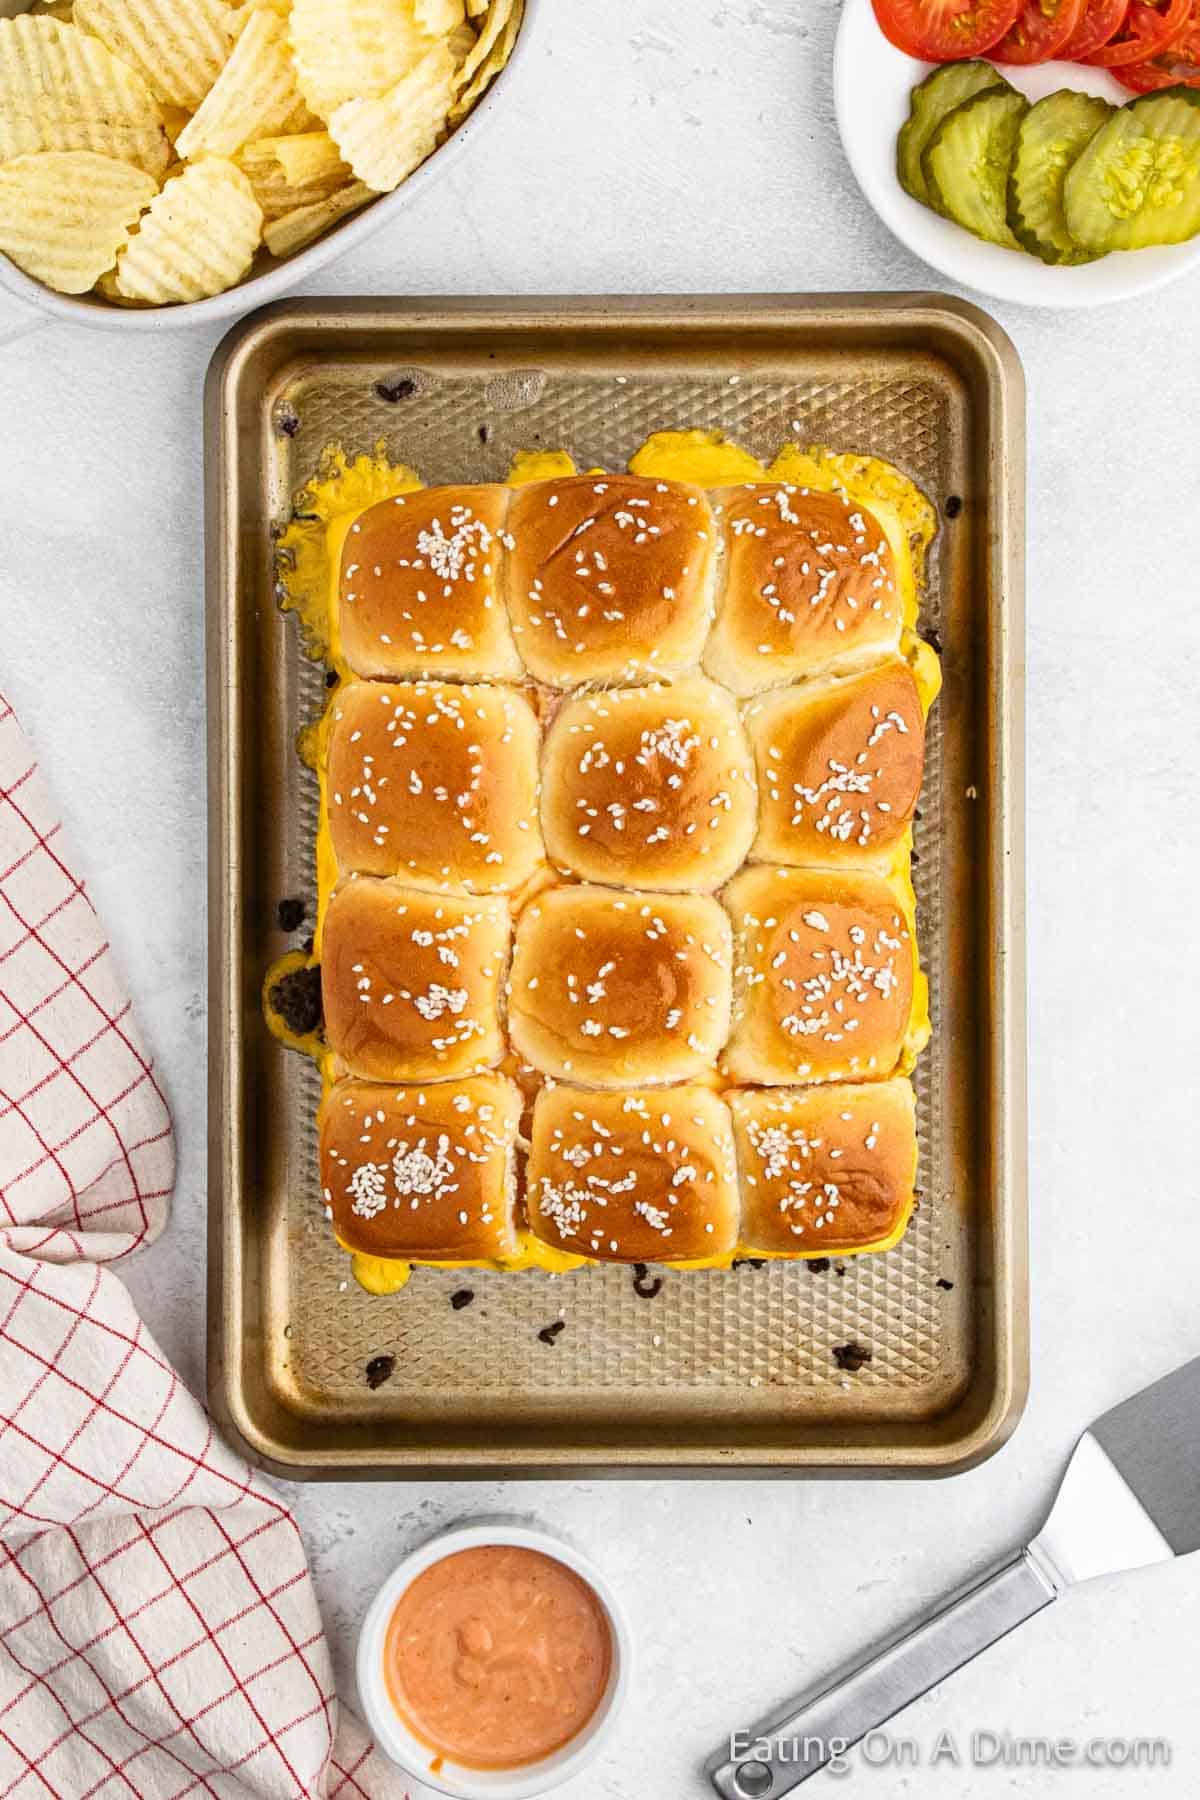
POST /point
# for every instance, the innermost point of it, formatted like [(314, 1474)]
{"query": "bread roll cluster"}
[(620, 959)]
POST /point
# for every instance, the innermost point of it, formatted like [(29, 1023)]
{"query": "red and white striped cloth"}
[(159, 1634)]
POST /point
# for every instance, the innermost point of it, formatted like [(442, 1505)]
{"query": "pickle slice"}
[(967, 160), (1052, 135), (1137, 182), (929, 102)]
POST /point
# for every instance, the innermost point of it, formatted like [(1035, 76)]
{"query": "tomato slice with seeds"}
[(1177, 67), (1041, 31), (946, 30), (1102, 19), (1150, 27)]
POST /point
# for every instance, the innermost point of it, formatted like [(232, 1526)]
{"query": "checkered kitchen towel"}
[(159, 1635)]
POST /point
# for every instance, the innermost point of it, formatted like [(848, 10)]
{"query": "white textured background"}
[(675, 145)]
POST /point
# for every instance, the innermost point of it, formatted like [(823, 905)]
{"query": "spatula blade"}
[(1153, 1440), (1131, 1493)]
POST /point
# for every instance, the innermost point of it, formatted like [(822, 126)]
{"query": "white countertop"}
[(691, 146)]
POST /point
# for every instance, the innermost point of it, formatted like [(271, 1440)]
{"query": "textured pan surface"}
[(725, 1369)]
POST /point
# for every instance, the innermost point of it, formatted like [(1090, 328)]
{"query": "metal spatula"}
[(1130, 1496)]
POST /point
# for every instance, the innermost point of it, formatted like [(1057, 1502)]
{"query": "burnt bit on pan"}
[(296, 999), (933, 639), (645, 1286), (485, 434), (817, 1265), (392, 391), (331, 678), (748, 1262), (379, 1370), (851, 1357), (461, 1297), (286, 420), (944, 1284), (548, 1333), (291, 914), (953, 506)]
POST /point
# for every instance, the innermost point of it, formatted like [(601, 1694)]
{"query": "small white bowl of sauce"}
[(493, 1663)]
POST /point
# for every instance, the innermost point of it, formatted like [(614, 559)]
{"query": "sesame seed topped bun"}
[(649, 787), (825, 1169), (610, 577), (436, 784), (809, 586), (422, 1172), (824, 976), (418, 588), (411, 982), (839, 767), (633, 1177), (612, 988)]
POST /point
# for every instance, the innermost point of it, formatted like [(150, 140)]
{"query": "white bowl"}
[(872, 81), (278, 277), (398, 1743)]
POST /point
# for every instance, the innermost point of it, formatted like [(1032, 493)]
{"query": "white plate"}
[(872, 81)]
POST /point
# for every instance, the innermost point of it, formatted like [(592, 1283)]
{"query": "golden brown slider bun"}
[(649, 787), (826, 1168), (418, 586), (839, 767), (619, 988), (809, 585), (436, 784), (633, 1177), (411, 982), (423, 1173), (823, 976), (610, 577)]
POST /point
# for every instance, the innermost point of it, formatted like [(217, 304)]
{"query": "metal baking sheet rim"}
[(334, 322)]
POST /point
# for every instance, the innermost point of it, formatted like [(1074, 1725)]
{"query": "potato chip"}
[(178, 46), (385, 139), (296, 229), (290, 172), (308, 156), (461, 42), (64, 214), (476, 8), (487, 70), (197, 238), (352, 52), (438, 18), (489, 37), (53, 9), (62, 90), (255, 95), (245, 11)]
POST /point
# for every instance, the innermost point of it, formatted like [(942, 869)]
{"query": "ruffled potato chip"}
[(290, 172), (385, 139), (197, 238), (491, 65), (62, 90), (255, 95), (64, 214), (438, 18), (177, 46), (352, 51), (292, 232)]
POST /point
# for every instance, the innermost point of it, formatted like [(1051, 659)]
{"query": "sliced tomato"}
[(1150, 27), (1102, 19), (1177, 67), (946, 30), (1041, 30)]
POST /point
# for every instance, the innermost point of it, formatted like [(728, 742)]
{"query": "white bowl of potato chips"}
[(167, 162)]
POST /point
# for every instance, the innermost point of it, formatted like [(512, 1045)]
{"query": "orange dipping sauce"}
[(498, 1656)]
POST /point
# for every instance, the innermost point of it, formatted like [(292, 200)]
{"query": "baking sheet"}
[(725, 1370)]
